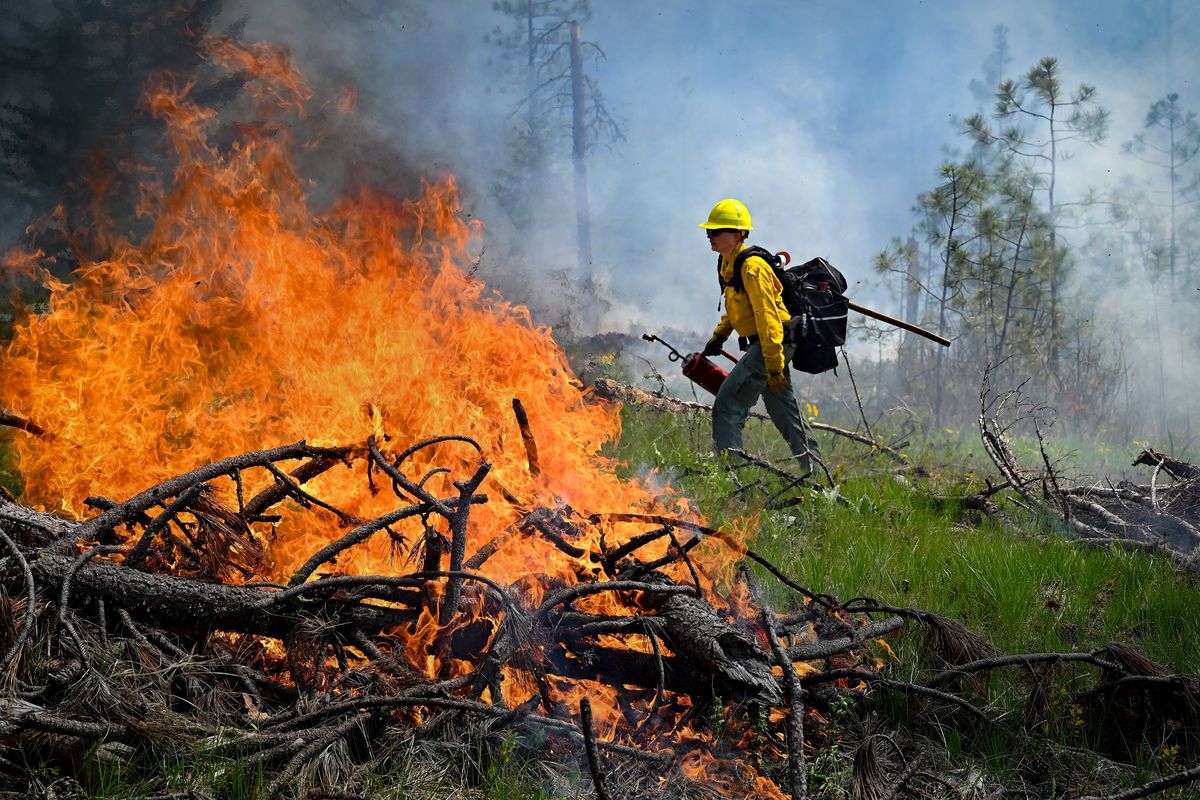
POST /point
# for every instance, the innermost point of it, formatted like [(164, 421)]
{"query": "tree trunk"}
[(906, 359), (943, 301), (583, 220), (531, 66), (710, 654), (171, 601)]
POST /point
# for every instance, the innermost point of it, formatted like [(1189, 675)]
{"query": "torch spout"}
[(675, 354)]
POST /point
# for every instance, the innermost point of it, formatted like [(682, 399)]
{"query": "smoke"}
[(827, 117)]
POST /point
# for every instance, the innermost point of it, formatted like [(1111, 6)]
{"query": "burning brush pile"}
[(613, 636), (296, 492)]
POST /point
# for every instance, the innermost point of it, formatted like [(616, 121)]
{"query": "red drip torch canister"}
[(699, 369)]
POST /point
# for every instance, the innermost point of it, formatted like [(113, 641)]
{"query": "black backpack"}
[(814, 294)]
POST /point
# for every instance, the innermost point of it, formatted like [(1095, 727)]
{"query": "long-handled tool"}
[(899, 323), (696, 367), (879, 315)]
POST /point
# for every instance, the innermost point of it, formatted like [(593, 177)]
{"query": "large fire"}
[(241, 320)]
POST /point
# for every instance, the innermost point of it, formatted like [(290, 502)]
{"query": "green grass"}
[(152, 774), (503, 772), (1023, 586), (10, 479)]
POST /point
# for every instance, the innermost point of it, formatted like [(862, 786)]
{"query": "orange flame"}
[(735, 778), (242, 320)]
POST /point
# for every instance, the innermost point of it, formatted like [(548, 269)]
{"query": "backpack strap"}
[(736, 280)]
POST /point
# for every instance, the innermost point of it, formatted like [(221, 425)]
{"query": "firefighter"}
[(757, 313)]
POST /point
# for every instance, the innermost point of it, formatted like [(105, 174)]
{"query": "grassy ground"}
[(1021, 585), (9, 478), (892, 533)]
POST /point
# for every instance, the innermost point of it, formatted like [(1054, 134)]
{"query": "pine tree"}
[(561, 104), (73, 77), (995, 280), (950, 210), (1170, 142), (1042, 119)]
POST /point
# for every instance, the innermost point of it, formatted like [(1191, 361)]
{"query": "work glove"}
[(778, 381), (713, 348)]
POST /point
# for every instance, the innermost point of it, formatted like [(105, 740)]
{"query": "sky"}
[(826, 117)]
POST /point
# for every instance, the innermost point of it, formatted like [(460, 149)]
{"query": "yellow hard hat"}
[(728, 213)]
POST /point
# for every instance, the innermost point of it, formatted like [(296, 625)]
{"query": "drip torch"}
[(696, 367)]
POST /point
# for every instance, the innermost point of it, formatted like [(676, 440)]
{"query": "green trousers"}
[(746, 383)]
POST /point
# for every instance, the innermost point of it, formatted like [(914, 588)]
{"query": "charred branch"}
[(1180, 470), (129, 510), (531, 450), (189, 604), (793, 695), (11, 420), (593, 757), (1153, 518)]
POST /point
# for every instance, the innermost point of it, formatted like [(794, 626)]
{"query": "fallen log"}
[(1176, 468), (33, 528), (175, 602), (732, 658)]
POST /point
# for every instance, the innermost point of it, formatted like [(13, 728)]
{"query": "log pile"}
[(146, 624)]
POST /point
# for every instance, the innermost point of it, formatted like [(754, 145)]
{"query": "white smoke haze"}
[(827, 117)]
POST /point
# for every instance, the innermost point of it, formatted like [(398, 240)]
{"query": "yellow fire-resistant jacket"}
[(758, 311)]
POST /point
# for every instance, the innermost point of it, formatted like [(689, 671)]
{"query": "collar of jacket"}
[(726, 266)]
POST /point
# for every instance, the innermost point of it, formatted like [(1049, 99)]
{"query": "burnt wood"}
[(171, 601)]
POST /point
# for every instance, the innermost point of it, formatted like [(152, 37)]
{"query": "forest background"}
[(1021, 177)]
